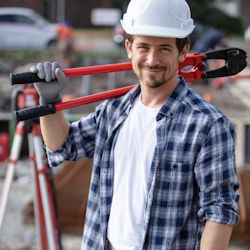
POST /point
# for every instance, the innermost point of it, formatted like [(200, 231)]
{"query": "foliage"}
[(212, 16), (26, 56), (121, 4), (103, 54)]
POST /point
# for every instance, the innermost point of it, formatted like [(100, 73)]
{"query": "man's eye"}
[(165, 49), (143, 47)]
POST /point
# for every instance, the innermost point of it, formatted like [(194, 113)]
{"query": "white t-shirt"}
[(133, 154)]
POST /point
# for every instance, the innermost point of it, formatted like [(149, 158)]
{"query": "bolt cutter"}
[(235, 62)]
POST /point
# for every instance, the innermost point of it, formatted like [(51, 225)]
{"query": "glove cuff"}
[(44, 101)]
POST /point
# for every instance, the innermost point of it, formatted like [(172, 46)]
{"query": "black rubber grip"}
[(34, 112), (25, 77)]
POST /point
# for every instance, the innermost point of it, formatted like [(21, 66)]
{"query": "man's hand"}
[(55, 81)]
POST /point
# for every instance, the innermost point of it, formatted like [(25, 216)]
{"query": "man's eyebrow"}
[(144, 44), (166, 45), (160, 45)]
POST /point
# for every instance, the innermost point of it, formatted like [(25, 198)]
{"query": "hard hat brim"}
[(159, 32)]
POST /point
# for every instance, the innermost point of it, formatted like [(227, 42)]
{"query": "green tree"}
[(121, 4), (204, 12)]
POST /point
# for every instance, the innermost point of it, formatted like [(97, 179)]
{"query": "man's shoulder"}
[(199, 104), (206, 113)]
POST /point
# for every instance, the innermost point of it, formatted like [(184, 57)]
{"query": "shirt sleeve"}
[(80, 142), (216, 174)]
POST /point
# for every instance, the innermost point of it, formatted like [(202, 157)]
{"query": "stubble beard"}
[(153, 82)]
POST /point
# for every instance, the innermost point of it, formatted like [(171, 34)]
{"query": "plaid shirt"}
[(192, 176)]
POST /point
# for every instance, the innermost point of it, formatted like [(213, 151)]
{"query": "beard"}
[(155, 81)]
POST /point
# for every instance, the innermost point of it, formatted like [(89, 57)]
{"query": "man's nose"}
[(152, 58)]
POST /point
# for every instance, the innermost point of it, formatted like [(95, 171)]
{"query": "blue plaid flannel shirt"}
[(193, 174)]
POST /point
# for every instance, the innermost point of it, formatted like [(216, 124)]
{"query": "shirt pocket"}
[(175, 182)]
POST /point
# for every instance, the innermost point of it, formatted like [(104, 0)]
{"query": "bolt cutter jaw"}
[(235, 62), (197, 71)]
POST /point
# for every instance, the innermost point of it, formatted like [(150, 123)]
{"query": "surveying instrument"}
[(48, 235)]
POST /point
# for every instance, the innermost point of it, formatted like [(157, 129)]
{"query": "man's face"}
[(155, 60)]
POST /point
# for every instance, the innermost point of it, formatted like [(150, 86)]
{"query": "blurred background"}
[(87, 33)]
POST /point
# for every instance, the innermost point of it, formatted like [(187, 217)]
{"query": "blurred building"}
[(244, 12)]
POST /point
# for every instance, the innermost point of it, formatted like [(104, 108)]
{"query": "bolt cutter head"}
[(235, 62)]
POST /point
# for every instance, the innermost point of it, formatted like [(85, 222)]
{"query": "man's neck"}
[(156, 97)]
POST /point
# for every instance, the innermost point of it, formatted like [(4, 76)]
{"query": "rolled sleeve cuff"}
[(60, 155), (219, 214), (55, 158)]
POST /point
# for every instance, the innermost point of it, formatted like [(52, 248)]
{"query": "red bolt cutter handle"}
[(191, 60), (194, 74), (235, 62)]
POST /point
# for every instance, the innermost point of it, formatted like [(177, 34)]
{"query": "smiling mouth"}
[(152, 69)]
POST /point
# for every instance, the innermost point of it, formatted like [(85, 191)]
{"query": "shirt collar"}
[(171, 105), (174, 101)]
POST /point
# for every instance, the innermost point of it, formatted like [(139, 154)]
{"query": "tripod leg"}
[(14, 155), (38, 209), (46, 191)]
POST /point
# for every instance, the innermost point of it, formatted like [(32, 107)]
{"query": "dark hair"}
[(180, 42)]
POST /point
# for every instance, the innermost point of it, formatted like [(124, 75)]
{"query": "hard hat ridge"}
[(163, 18)]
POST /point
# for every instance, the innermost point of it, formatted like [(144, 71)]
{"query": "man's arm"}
[(216, 178), (55, 129), (215, 236)]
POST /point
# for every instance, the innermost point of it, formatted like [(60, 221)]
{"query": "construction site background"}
[(92, 47)]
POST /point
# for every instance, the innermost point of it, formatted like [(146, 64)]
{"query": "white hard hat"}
[(162, 18)]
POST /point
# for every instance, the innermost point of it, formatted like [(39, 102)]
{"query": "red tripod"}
[(44, 199)]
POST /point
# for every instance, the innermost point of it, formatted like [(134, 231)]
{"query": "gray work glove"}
[(55, 80)]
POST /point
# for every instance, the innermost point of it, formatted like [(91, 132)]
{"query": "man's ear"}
[(184, 52), (128, 46)]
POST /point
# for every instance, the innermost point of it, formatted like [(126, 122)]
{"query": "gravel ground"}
[(15, 234)]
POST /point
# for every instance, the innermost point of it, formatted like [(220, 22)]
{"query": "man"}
[(163, 158)]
